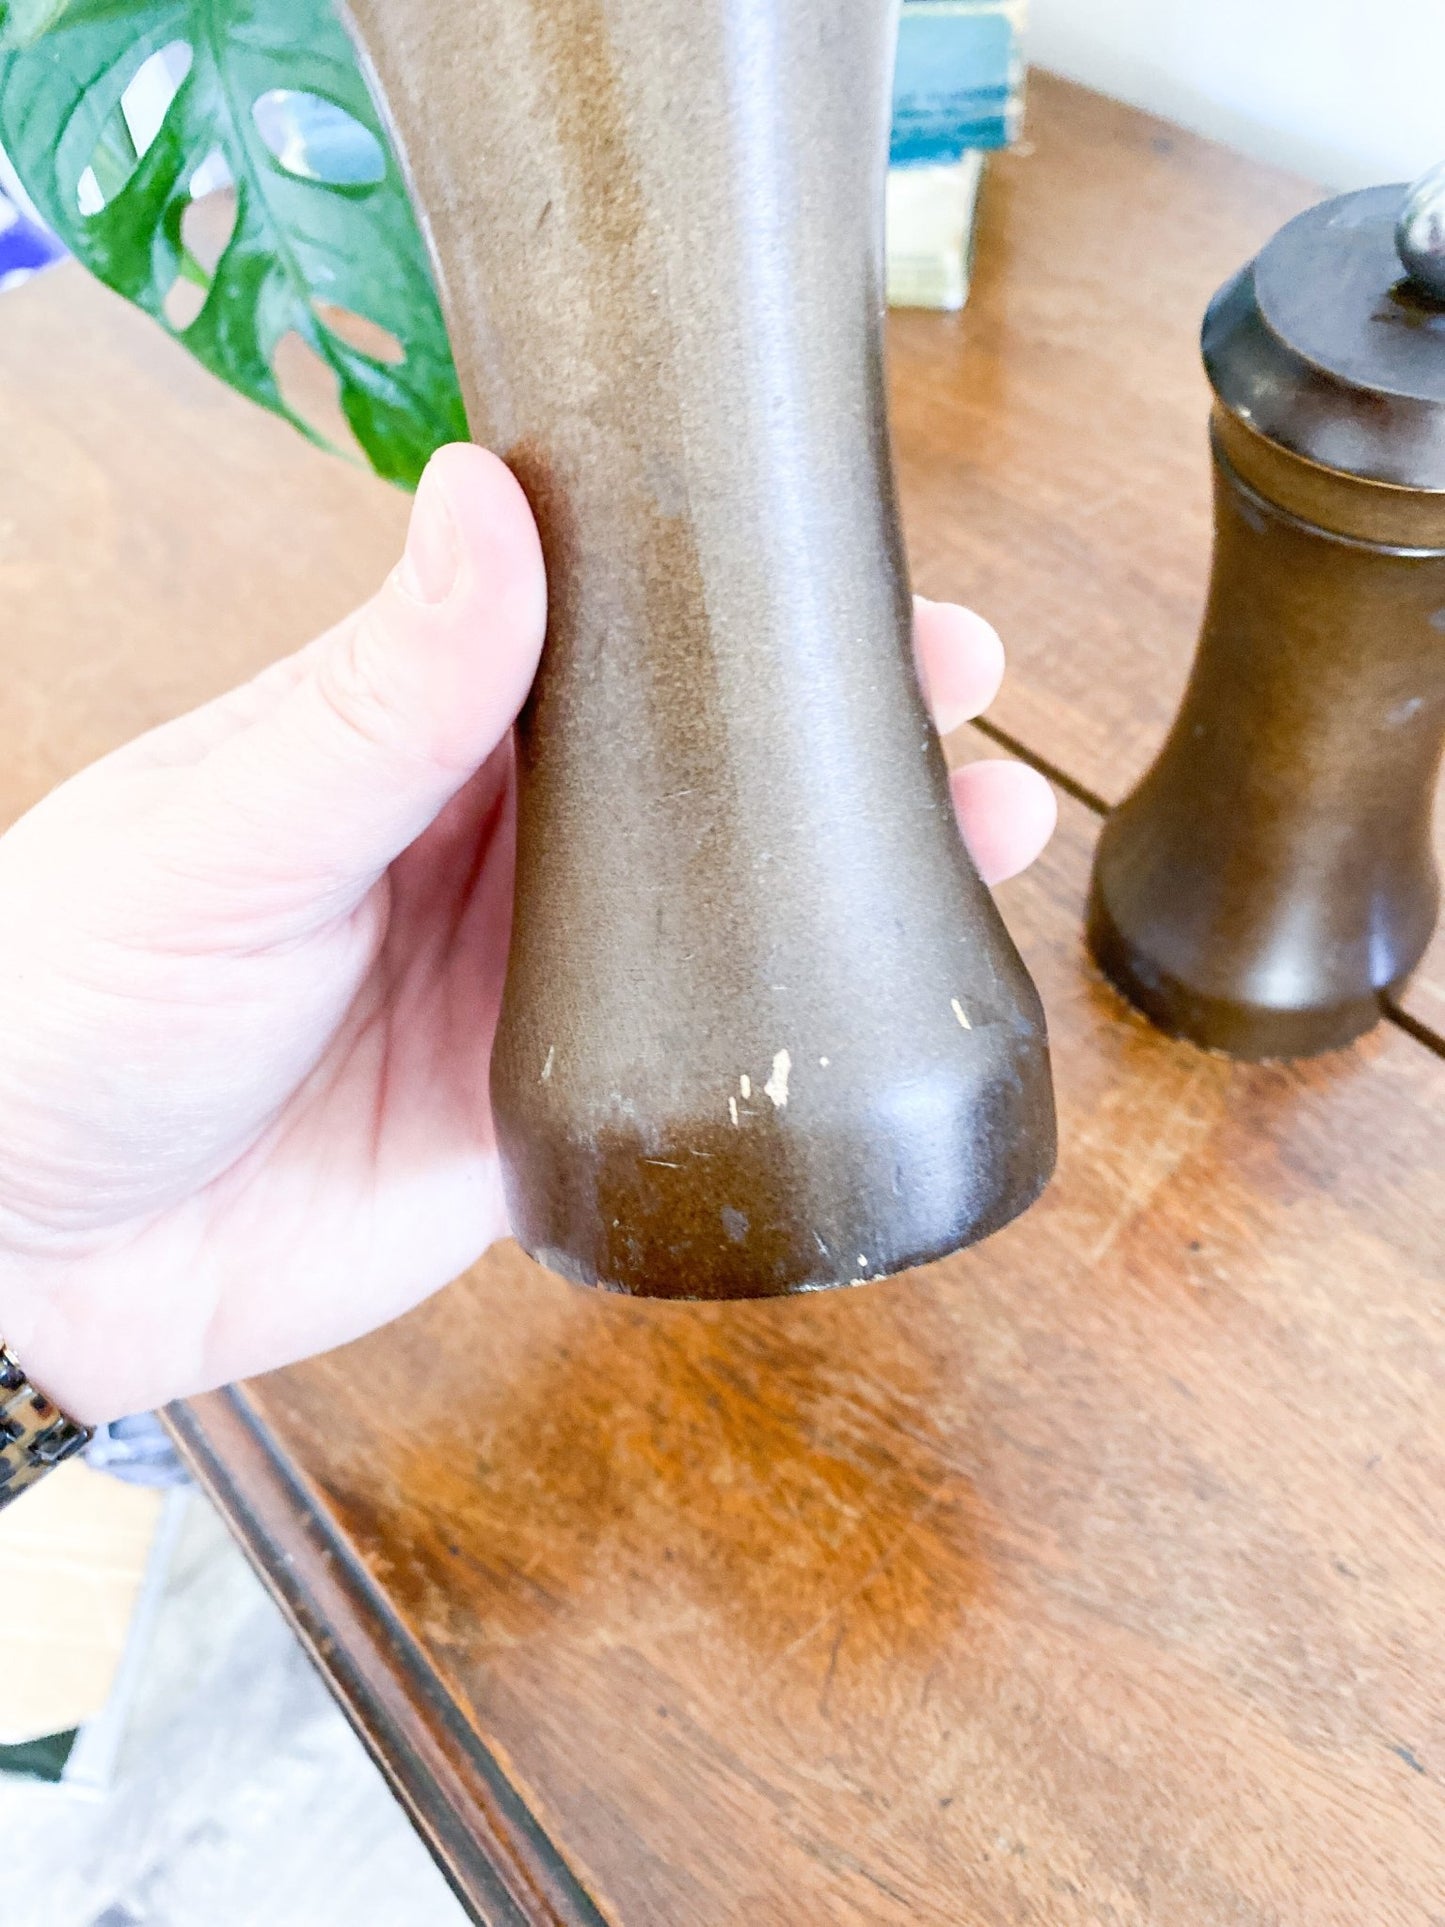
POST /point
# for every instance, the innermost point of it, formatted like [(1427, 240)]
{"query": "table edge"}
[(495, 1854)]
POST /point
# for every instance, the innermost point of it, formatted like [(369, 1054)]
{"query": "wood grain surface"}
[(1092, 1576), (160, 539), (1052, 438), (1095, 1576)]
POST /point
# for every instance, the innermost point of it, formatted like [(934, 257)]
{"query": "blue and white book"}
[(958, 92), (958, 82)]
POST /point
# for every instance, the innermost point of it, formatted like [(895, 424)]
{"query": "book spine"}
[(958, 83)]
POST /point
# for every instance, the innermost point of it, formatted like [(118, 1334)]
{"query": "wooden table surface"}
[(1094, 1576)]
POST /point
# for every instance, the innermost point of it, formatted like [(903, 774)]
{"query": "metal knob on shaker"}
[(1420, 232), (1271, 880)]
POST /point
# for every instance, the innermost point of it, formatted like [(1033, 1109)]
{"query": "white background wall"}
[(1349, 92)]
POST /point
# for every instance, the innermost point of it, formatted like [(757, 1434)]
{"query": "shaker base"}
[(700, 1211), (1254, 1032)]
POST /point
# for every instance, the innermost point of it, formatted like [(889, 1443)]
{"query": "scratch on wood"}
[(915, 1518), (838, 1860), (1159, 1161), (832, 1668)]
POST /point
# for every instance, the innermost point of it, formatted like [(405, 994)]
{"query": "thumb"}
[(401, 703)]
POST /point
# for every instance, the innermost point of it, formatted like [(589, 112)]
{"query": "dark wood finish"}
[(497, 1858), (1052, 439), (1271, 881), (763, 1029), (1094, 1576), (1424, 996)]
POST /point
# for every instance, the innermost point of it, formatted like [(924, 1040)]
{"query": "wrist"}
[(35, 1435), (76, 1362)]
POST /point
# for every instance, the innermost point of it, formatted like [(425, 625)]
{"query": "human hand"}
[(250, 970)]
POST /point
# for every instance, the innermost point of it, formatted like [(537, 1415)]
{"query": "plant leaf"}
[(23, 21), (298, 242)]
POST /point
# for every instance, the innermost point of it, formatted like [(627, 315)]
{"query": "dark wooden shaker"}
[(763, 1030), (1271, 879)]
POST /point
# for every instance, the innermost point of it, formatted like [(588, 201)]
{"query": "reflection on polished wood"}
[(1096, 1575)]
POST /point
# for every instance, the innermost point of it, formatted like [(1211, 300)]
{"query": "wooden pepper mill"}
[(763, 1031), (1271, 879)]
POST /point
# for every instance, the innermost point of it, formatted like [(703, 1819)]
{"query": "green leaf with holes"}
[(324, 246), (23, 21)]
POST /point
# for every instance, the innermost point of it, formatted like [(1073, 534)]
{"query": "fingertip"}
[(1006, 814), (500, 550), (451, 643), (960, 662), (397, 707)]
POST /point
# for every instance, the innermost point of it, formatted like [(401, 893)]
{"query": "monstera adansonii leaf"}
[(324, 244)]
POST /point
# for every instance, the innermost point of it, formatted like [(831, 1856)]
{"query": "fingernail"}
[(427, 570), (948, 717)]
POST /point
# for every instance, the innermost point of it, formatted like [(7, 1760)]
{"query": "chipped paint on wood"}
[(777, 1085)]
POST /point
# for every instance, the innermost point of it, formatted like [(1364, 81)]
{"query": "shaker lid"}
[(1327, 345)]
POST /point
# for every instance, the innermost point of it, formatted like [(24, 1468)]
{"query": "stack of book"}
[(957, 93)]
